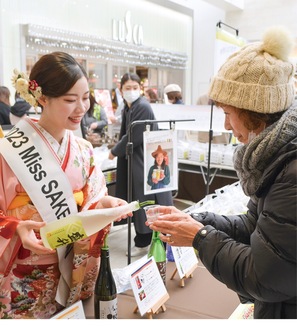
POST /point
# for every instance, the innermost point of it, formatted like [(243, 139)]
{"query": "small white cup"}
[(152, 212)]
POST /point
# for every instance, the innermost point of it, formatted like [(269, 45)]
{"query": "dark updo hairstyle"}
[(129, 76), (56, 73)]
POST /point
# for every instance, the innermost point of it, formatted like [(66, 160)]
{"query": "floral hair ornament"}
[(28, 89)]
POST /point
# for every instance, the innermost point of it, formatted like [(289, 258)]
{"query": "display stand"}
[(189, 274), (129, 154), (210, 137), (160, 305)]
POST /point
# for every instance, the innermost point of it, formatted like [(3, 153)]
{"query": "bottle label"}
[(162, 270), (108, 309), (66, 234)]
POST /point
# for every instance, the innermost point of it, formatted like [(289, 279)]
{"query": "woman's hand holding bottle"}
[(112, 202), (26, 231)]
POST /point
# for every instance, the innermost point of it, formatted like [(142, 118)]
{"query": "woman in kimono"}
[(33, 282)]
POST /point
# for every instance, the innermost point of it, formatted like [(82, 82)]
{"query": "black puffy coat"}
[(255, 254)]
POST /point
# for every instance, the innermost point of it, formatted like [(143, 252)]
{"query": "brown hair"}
[(90, 111), (174, 96), (56, 73), (4, 94), (152, 95), (253, 120)]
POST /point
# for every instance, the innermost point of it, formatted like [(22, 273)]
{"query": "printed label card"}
[(185, 260), (148, 288), (75, 311)]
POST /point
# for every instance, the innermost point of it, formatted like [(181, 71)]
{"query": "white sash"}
[(37, 168)]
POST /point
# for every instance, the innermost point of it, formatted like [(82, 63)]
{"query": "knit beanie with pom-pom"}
[(258, 77)]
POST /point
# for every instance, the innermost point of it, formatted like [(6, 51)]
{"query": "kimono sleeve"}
[(9, 241)]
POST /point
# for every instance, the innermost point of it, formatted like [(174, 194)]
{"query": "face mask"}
[(131, 96)]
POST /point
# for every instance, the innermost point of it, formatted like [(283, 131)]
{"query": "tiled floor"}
[(118, 240)]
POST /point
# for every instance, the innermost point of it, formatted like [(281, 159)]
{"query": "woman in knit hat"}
[(254, 254)]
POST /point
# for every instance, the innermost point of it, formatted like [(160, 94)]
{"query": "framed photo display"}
[(160, 161)]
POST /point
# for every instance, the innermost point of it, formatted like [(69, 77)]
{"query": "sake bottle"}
[(105, 296), (157, 250), (82, 224), (169, 253)]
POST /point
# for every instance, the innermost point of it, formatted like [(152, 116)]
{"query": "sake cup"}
[(152, 212)]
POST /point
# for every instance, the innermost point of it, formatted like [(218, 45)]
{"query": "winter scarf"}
[(250, 160)]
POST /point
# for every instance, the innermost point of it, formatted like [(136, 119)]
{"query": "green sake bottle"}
[(157, 250)]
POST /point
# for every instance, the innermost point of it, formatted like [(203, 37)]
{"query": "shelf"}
[(201, 168)]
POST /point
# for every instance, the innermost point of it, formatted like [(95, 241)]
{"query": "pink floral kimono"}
[(28, 282)]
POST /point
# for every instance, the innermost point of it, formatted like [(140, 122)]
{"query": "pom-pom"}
[(278, 42)]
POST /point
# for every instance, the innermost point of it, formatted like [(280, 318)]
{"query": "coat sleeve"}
[(238, 227), (9, 242), (264, 266)]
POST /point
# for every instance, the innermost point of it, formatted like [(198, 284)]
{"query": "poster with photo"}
[(160, 161), (103, 98)]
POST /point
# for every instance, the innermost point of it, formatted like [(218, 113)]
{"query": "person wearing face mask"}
[(136, 108), (173, 93)]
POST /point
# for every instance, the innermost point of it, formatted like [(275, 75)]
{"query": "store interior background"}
[(183, 31), (179, 27)]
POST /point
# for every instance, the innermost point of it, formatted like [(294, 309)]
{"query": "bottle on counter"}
[(157, 250), (169, 253), (82, 224), (105, 295)]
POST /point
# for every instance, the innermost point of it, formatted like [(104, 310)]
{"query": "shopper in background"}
[(4, 106), (19, 109), (114, 100), (151, 96), (136, 108), (34, 283), (95, 120), (254, 254), (173, 92)]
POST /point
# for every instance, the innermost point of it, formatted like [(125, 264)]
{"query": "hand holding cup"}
[(152, 212)]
